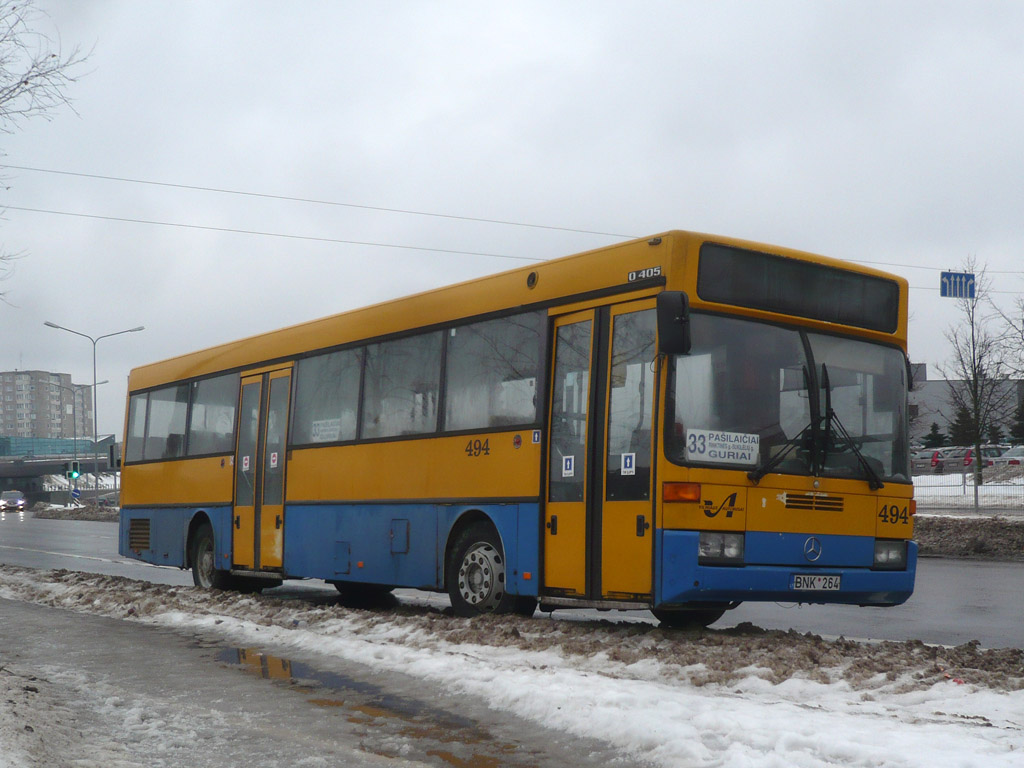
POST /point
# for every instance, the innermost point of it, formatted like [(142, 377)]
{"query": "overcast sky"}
[(881, 132)]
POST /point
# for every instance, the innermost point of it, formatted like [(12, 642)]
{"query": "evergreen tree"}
[(963, 430), (934, 438), (995, 434), (1017, 426)]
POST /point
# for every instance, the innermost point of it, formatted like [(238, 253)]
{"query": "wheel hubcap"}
[(204, 561), (482, 577)]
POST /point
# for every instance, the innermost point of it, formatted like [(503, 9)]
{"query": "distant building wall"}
[(24, 447), (930, 403), (42, 404)]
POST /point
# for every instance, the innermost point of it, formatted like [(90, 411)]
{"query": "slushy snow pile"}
[(739, 697)]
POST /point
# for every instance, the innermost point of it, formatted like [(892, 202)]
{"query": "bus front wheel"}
[(476, 573), (204, 560)]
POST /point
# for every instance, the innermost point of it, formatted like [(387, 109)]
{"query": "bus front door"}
[(260, 459), (599, 511)]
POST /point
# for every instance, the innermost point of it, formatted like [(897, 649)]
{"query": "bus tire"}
[(688, 619), (476, 573), (204, 560)]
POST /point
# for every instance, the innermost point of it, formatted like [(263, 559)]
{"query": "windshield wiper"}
[(755, 475), (874, 481)]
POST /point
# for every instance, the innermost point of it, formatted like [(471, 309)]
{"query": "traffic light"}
[(75, 470)]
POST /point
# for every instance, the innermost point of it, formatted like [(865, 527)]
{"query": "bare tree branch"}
[(979, 382), (34, 75), (1012, 339), (34, 72)]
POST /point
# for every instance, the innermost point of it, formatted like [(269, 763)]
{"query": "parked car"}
[(108, 499), (936, 460), (923, 462), (1014, 457), (988, 452), (12, 500)]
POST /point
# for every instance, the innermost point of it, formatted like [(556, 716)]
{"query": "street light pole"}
[(95, 420)]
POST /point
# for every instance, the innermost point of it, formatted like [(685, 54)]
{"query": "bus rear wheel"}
[(476, 573), (688, 619), (204, 560)]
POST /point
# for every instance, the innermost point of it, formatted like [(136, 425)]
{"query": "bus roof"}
[(603, 271)]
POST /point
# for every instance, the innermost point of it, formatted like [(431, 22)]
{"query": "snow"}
[(727, 698), (86, 482), (1001, 489)]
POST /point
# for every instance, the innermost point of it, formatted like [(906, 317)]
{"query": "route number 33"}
[(894, 515)]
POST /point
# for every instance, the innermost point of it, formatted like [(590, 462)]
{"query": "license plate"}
[(805, 582)]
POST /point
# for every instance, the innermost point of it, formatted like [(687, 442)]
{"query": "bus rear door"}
[(260, 460)]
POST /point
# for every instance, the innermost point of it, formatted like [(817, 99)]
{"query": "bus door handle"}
[(553, 525), (238, 521), (278, 522), (641, 525)]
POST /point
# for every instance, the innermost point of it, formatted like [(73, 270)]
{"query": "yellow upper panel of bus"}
[(609, 270)]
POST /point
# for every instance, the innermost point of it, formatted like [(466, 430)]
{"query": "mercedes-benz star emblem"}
[(812, 548)]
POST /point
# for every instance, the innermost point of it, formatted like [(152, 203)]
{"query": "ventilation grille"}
[(814, 503), (138, 534)]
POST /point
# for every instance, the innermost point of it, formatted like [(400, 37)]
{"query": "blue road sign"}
[(957, 285), (75, 493)]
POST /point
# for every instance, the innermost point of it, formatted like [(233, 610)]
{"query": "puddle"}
[(396, 726)]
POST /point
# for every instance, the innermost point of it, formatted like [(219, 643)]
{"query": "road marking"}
[(63, 554)]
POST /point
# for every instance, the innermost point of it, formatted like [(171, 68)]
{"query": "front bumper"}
[(682, 581)]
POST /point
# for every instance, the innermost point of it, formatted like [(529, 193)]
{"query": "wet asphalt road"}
[(954, 601), (156, 697)]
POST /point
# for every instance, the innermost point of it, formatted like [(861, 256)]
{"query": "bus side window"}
[(135, 439), (212, 423), (402, 386), (165, 423), (327, 397), (492, 372)]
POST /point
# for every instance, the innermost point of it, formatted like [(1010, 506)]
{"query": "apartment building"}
[(44, 405)]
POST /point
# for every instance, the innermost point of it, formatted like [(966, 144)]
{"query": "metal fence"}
[(1001, 488)]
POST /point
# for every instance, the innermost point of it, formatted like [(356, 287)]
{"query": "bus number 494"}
[(478, 448), (893, 514)]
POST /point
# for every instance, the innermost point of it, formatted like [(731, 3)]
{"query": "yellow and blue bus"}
[(678, 423)]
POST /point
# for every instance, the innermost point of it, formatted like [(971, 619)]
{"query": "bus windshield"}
[(748, 390)]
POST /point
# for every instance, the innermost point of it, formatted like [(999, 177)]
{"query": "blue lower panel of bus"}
[(681, 580), (167, 534), (399, 545), (402, 544)]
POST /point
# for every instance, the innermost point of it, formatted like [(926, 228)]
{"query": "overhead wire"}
[(286, 235), (315, 201), (269, 196)]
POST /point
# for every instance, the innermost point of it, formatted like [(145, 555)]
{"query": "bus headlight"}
[(890, 555), (717, 547)]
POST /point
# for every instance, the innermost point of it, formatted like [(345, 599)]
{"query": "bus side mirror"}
[(673, 323)]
